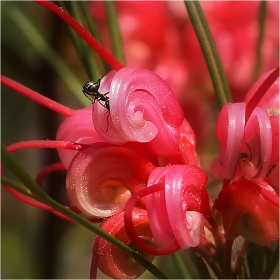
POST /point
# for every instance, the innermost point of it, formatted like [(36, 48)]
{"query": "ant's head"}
[(91, 87)]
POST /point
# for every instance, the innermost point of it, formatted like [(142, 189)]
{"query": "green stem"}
[(86, 54), (272, 263), (261, 28), (21, 174), (181, 266), (240, 258), (26, 179), (210, 52), (80, 45), (114, 29), (19, 187), (227, 260), (96, 61), (41, 45), (88, 19)]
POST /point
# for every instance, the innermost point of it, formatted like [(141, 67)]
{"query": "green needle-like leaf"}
[(20, 173), (19, 187), (41, 45), (181, 266), (86, 54), (114, 29), (210, 52)]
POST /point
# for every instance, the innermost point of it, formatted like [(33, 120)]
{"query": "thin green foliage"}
[(34, 37), (210, 52), (114, 29)]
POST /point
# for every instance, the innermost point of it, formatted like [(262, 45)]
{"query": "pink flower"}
[(246, 144), (77, 128), (248, 150), (138, 113), (101, 178), (177, 202), (181, 207)]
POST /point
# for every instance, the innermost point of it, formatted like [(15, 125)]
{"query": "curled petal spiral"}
[(142, 109), (257, 146), (77, 128), (246, 211), (230, 132), (101, 178), (113, 261), (177, 212)]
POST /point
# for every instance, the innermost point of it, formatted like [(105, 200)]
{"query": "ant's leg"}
[(102, 104), (107, 122), (87, 96)]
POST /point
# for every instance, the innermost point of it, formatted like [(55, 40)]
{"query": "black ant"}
[(91, 91)]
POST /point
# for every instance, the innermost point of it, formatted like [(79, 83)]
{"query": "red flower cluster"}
[(131, 162), (249, 157)]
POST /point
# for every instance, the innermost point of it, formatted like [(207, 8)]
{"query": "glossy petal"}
[(114, 262), (229, 131), (77, 128), (257, 146), (100, 179), (180, 209), (246, 212), (142, 109)]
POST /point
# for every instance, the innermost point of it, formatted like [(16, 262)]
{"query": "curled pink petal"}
[(183, 195), (130, 228), (102, 118), (229, 131), (159, 220), (142, 109), (100, 178), (77, 128), (180, 210), (257, 146)]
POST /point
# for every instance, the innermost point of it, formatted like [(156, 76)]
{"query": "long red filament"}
[(46, 170), (111, 60), (46, 144), (95, 259), (130, 226), (35, 96), (252, 104)]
